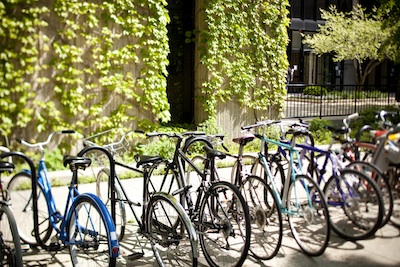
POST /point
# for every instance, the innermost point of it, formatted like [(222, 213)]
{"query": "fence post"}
[(355, 99)]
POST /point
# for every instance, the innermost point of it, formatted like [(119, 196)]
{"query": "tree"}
[(356, 36), (390, 11)]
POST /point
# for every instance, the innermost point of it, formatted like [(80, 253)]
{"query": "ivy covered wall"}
[(242, 50), (82, 64), (97, 64)]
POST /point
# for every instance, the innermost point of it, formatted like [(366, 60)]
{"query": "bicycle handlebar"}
[(41, 144), (174, 135)]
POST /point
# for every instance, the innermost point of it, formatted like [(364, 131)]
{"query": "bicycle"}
[(266, 220), (10, 245), (86, 226), (354, 200), (352, 150), (216, 208), (164, 222), (300, 199)]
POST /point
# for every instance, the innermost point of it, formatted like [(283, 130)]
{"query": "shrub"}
[(318, 128), (315, 90)]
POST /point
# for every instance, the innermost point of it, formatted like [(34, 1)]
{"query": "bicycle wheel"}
[(224, 225), (10, 244), (277, 173), (355, 205), (381, 180), (265, 217), (20, 190), (172, 235), (393, 175), (88, 232), (103, 191), (308, 215)]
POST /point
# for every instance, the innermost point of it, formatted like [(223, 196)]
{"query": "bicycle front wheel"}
[(89, 234), (224, 225), (173, 237), (103, 191), (383, 183), (355, 205), (9, 239), (20, 191), (265, 216), (308, 215)]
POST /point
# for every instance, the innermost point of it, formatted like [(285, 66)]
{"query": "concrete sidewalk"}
[(381, 250)]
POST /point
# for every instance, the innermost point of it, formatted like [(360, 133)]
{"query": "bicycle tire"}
[(20, 189), (9, 239), (277, 173), (308, 215), (224, 218), (90, 241), (265, 217), (346, 196), (103, 192), (172, 235), (383, 183), (393, 175)]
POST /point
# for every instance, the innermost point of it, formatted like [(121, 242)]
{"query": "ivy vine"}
[(64, 62), (244, 50)]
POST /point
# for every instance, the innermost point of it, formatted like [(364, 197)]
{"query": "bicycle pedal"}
[(54, 246), (135, 256)]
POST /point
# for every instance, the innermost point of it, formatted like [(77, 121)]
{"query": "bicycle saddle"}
[(243, 140), (212, 153), (6, 166), (143, 159), (77, 162)]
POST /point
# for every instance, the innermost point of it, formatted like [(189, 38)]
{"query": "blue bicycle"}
[(86, 227)]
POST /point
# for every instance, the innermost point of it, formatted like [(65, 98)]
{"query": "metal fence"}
[(304, 101)]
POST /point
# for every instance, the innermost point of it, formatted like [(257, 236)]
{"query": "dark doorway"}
[(180, 82)]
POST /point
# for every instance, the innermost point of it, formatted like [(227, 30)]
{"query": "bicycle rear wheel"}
[(265, 216), (224, 225), (103, 191), (10, 245), (89, 233), (277, 173), (308, 215), (355, 205), (20, 190), (381, 180), (173, 237), (394, 181)]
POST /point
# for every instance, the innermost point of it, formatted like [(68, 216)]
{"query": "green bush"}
[(318, 128), (315, 90)]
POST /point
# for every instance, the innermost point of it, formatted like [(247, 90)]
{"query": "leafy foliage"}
[(390, 10), (86, 63), (244, 50), (355, 35), (315, 90)]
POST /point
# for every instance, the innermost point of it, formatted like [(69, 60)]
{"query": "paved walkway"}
[(381, 250)]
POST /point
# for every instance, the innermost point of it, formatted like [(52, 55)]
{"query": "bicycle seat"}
[(243, 140), (77, 162), (143, 159), (6, 166), (212, 153)]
